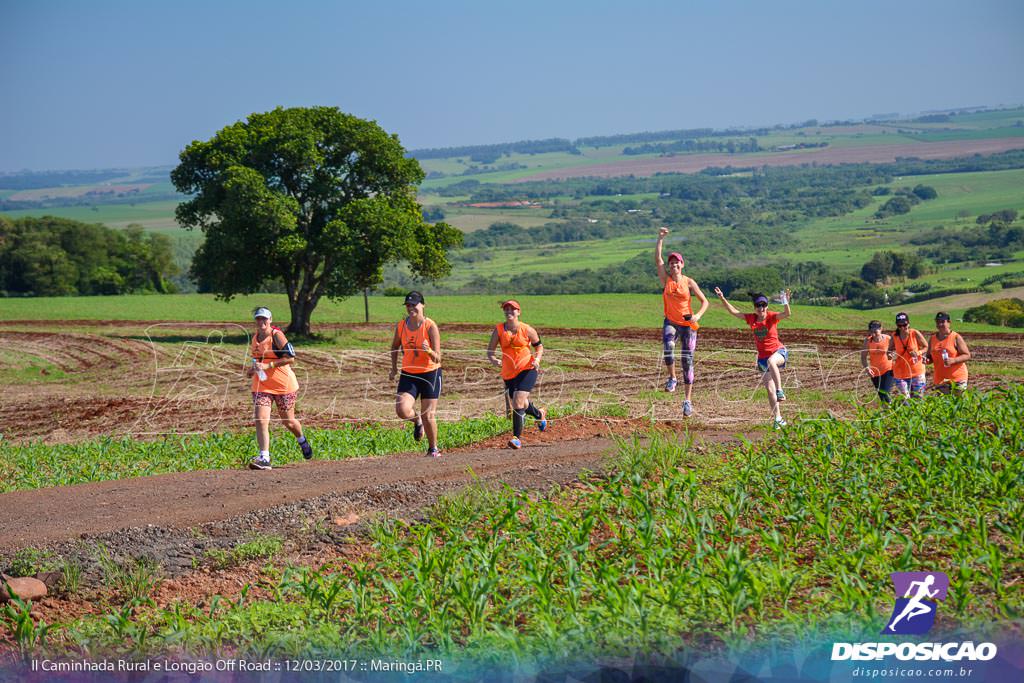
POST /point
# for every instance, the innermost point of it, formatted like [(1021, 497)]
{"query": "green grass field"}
[(591, 311)]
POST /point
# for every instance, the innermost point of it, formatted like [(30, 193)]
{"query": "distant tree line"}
[(1005, 312), (694, 145), (841, 176), (904, 200), (657, 136), (55, 257), (887, 264), (932, 118), (998, 240), (636, 275), (488, 154)]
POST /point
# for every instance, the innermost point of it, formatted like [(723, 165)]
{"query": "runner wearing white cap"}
[(272, 382)]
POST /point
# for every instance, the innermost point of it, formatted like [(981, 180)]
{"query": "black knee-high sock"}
[(518, 420), (532, 411)]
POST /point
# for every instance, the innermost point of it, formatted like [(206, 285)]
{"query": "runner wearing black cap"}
[(419, 342), (771, 353), (906, 350), (876, 362), (948, 354), (519, 367)]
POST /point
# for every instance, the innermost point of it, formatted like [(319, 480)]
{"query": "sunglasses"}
[(760, 305)]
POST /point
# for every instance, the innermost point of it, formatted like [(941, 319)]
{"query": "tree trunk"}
[(299, 324), (366, 303)]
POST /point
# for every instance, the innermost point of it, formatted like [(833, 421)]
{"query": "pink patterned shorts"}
[(283, 401)]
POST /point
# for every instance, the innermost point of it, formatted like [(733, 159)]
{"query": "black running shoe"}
[(417, 431), (307, 450)]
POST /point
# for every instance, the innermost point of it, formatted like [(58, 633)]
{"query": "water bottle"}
[(945, 358), (782, 298), (260, 372)]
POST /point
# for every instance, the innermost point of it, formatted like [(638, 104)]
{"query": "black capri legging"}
[(883, 385)]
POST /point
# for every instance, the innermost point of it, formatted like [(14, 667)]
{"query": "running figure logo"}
[(914, 612)]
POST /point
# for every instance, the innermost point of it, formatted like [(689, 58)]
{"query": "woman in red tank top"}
[(771, 353)]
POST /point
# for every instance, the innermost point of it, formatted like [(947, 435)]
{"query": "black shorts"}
[(524, 381), (423, 385)]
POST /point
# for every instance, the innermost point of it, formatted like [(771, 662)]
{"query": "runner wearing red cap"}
[(681, 323), (519, 367)]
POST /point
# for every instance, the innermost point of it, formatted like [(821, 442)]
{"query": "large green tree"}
[(313, 197)]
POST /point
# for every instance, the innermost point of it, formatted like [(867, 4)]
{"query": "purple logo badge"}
[(917, 594)]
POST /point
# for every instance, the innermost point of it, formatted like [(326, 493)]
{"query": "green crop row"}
[(782, 538), (39, 465)]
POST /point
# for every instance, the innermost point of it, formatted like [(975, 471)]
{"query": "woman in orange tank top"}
[(906, 350), (681, 323), (519, 367), (419, 343), (876, 362), (948, 354), (272, 382)]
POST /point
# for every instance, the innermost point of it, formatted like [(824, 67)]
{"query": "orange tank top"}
[(279, 380), (904, 367), (414, 358), (676, 297), (878, 356), (515, 350), (954, 373)]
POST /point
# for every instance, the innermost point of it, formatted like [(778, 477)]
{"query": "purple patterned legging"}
[(686, 338)]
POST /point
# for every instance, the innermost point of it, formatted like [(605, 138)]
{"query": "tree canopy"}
[(316, 198), (59, 257)]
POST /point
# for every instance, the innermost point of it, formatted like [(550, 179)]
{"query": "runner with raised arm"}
[(681, 323), (771, 354)]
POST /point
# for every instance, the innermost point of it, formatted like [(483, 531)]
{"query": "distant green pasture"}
[(990, 119), (552, 258), (846, 242), (973, 193), (949, 275), (469, 218), (157, 216)]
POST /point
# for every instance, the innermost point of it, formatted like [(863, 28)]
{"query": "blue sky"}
[(108, 83)]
